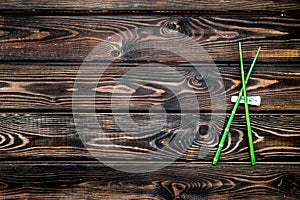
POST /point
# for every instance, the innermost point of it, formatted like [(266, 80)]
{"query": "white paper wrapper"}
[(252, 100)]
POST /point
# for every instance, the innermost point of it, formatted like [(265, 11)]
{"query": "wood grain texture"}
[(51, 86), (164, 5), (53, 137), (71, 38), (48, 152), (187, 182)]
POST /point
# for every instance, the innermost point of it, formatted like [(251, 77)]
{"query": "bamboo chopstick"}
[(231, 117), (251, 148)]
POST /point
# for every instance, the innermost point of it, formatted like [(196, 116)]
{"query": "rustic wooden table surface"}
[(42, 46)]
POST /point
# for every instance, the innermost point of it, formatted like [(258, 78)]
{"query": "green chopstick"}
[(231, 117), (251, 148)]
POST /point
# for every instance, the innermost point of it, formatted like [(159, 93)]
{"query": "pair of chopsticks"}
[(231, 117)]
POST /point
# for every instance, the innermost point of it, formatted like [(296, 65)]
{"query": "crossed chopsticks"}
[(242, 93)]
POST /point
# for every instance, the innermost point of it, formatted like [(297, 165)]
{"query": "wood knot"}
[(203, 130), (115, 53), (199, 77), (180, 26), (181, 30), (172, 26)]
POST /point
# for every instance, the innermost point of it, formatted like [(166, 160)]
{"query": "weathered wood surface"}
[(198, 181), (164, 5), (42, 155), (50, 86), (54, 137), (71, 38)]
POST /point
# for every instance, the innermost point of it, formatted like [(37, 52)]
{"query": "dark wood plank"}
[(95, 181), (51, 86), (165, 5), (71, 38), (54, 137)]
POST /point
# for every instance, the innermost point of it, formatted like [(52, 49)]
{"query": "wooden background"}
[(42, 45)]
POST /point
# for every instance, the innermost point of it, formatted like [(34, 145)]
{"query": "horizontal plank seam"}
[(106, 111), (285, 63), (133, 63), (132, 163), (64, 12)]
